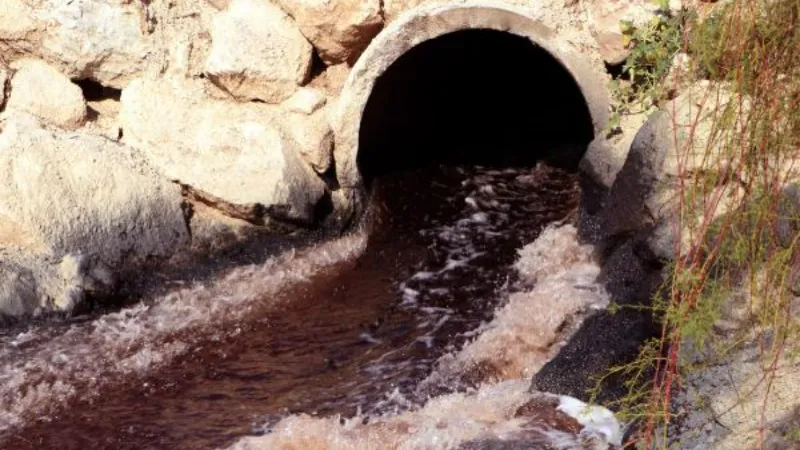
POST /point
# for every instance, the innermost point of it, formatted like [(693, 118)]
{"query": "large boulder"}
[(228, 153), (76, 211), (105, 40), (676, 144), (43, 91), (339, 30), (257, 52)]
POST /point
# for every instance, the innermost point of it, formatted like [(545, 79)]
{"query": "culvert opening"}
[(473, 97)]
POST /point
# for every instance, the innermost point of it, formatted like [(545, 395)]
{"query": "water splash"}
[(557, 276), (39, 375), (558, 280), (495, 413), (497, 204)]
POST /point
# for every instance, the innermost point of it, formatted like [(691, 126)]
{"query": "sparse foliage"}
[(751, 252)]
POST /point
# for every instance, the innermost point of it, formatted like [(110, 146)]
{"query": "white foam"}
[(435, 310), (480, 217), (595, 419), (427, 340), (524, 334), (445, 422), (528, 330), (488, 190), (423, 275), (366, 337), (39, 376), (409, 297)]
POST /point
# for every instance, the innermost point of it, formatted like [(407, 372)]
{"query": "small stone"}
[(306, 101), (313, 137), (41, 90)]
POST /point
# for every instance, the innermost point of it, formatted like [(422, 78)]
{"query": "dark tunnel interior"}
[(473, 97)]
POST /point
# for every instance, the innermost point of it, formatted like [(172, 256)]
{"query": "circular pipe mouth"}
[(473, 97), (434, 20)]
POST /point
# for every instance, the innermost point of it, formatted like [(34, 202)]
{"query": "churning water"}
[(421, 333)]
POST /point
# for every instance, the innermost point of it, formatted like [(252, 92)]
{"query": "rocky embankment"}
[(139, 137)]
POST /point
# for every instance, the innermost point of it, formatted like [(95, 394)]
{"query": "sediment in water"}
[(559, 281)]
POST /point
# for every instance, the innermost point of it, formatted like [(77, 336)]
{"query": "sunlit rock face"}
[(252, 112), (76, 210)]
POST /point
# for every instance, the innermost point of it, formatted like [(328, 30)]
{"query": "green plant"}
[(728, 244), (652, 48)]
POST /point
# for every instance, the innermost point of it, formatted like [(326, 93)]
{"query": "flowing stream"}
[(442, 307)]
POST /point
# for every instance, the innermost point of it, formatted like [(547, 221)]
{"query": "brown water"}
[(341, 328)]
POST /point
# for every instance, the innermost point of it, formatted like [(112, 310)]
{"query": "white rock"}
[(18, 297), (306, 101), (182, 36), (312, 136), (340, 30), (227, 151), (43, 91), (595, 419), (606, 154), (17, 21), (77, 194), (257, 52), (80, 273), (105, 40), (108, 41), (100, 39), (676, 143)]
